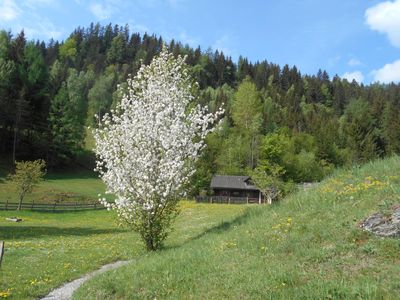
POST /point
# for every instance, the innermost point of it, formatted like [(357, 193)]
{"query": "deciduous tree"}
[(147, 146), (27, 175)]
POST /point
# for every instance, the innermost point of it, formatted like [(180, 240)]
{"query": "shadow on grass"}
[(221, 227), (33, 232)]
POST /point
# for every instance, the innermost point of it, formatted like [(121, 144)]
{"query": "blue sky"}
[(352, 38)]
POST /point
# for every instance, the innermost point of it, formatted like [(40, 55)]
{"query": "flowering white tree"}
[(147, 147)]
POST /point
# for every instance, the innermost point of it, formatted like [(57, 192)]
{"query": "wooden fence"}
[(55, 206), (228, 200), (76, 206)]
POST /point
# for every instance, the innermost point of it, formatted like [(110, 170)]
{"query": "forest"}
[(280, 126)]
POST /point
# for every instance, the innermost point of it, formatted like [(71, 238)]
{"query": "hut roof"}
[(232, 182)]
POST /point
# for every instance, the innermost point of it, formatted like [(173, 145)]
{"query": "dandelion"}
[(34, 281), (5, 294)]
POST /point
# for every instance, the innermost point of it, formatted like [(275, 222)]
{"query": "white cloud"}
[(186, 39), (356, 75), (221, 43), (25, 16), (31, 6), (107, 8), (100, 11), (224, 44), (385, 18), (388, 73), (354, 62), (43, 27), (175, 3), (333, 61), (139, 28), (134, 27), (9, 10), (40, 2)]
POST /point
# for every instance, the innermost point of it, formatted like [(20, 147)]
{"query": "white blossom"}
[(147, 147)]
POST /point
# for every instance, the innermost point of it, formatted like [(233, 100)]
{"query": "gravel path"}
[(65, 292)]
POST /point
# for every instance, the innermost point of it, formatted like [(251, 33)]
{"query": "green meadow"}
[(69, 187), (309, 246), (47, 249)]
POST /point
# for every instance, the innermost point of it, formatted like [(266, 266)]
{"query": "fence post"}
[(95, 205), (33, 202), (1, 251), (247, 199), (54, 206), (229, 200), (6, 204), (211, 199)]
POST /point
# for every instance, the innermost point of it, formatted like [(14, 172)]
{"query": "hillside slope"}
[(307, 247)]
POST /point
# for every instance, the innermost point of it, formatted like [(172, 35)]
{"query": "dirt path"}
[(65, 292)]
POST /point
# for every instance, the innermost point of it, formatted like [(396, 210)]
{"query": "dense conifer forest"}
[(280, 126)]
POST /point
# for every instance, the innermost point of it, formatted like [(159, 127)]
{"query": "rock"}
[(307, 185), (396, 216), (385, 226)]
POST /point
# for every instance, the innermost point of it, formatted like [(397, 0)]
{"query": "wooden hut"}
[(236, 187)]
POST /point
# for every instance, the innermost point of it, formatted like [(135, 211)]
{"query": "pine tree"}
[(358, 126), (116, 52), (391, 127)]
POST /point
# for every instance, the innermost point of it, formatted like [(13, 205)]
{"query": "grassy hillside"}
[(47, 249), (307, 247)]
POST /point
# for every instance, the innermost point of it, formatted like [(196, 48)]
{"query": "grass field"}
[(77, 184), (309, 246), (48, 249), (82, 186)]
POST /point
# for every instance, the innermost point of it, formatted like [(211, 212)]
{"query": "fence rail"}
[(76, 206), (229, 200), (56, 206)]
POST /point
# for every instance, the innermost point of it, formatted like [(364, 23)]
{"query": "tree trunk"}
[(252, 153), (150, 245), (21, 198), (14, 143), (17, 122)]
